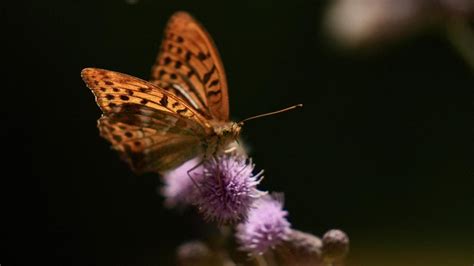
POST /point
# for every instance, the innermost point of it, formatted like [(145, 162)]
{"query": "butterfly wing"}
[(147, 149), (189, 66), (152, 129)]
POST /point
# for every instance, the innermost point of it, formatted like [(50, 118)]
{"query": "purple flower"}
[(358, 23), (179, 188), (226, 189), (265, 227)]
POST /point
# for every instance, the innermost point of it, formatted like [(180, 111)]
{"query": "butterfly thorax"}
[(224, 134)]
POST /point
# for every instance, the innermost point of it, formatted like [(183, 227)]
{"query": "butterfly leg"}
[(218, 177), (192, 169), (231, 149), (245, 166)]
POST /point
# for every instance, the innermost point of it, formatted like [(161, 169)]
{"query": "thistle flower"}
[(179, 188), (335, 245), (265, 227), (226, 188)]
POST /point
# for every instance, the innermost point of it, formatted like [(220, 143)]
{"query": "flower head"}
[(179, 188), (335, 245), (226, 188), (265, 227)]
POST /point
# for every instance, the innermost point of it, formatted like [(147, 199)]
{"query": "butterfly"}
[(181, 113)]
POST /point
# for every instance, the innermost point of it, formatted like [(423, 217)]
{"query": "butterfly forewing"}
[(114, 90), (189, 66)]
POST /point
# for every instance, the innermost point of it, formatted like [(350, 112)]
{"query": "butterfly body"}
[(180, 114), (225, 134)]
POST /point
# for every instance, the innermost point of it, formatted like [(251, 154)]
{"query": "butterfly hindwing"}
[(162, 122), (149, 149), (189, 66)]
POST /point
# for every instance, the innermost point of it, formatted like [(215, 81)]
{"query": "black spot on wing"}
[(191, 73), (207, 76), (201, 56), (180, 111), (214, 83), (187, 57), (161, 73), (213, 93), (164, 100), (117, 138)]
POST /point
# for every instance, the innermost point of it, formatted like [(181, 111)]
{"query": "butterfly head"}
[(230, 130), (226, 133)]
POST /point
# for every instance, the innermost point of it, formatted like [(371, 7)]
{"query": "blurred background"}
[(383, 148)]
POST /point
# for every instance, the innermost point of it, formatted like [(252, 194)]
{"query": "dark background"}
[(383, 148)]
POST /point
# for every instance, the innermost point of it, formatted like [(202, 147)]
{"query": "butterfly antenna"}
[(271, 113)]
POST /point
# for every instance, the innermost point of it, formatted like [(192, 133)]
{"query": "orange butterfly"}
[(183, 112)]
